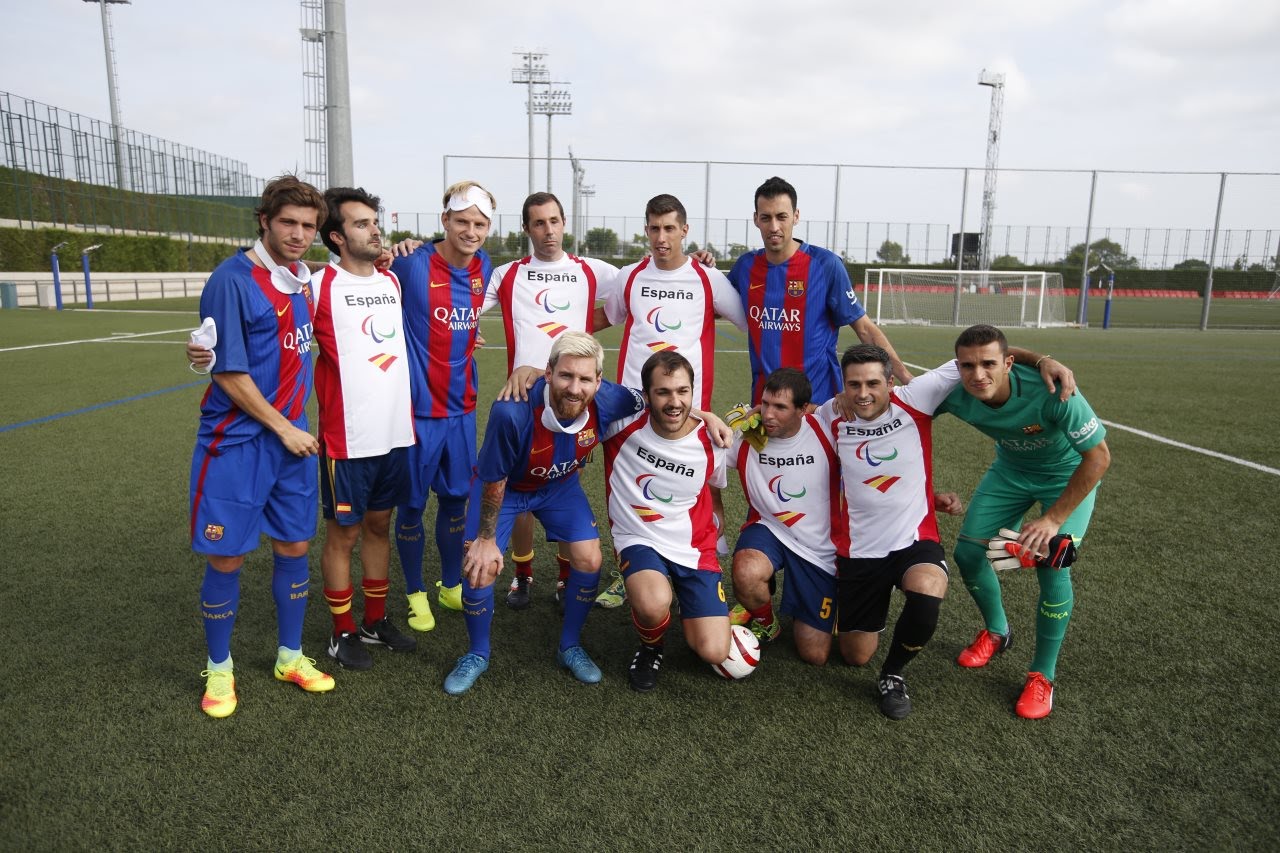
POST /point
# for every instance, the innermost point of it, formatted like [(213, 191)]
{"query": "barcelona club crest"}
[(795, 287), (213, 532), (1033, 429), (586, 437), (477, 286)]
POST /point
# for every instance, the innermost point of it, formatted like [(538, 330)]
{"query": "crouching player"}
[(888, 535), (1051, 449), (658, 467), (791, 486), (529, 463)]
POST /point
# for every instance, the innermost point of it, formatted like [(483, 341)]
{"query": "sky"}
[(1175, 85)]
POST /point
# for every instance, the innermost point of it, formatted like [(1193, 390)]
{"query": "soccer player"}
[(669, 302), (443, 290), (366, 422), (658, 466), (888, 534), (542, 295), (791, 486), (251, 470), (529, 463), (796, 297), (1049, 450)]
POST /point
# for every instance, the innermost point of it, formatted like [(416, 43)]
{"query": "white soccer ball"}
[(744, 654)]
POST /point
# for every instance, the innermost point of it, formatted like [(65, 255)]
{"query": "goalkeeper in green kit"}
[(1048, 451)]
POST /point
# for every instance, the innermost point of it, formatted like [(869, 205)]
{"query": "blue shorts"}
[(866, 583), (699, 591), (249, 489), (808, 593), (561, 508), (351, 487), (442, 459)]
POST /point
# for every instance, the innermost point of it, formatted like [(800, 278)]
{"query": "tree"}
[(736, 249), (1103, 251), (1191, 264), (394, 237), (602, 242), (636, 248), (514, 242), (891, 253), (1007, 262), (691, 248), (566, 243)]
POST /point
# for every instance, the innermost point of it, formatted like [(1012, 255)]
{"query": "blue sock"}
[(477, 612), (579, 598), (409, 546), (451, 520), (290, 583), (219, 602)]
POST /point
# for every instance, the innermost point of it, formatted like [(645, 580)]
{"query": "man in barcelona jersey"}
[(659, 466), (796, 297), (252, 471), (1051, 449), (366, 422), (791, 485), (529, 463), (443, 291)]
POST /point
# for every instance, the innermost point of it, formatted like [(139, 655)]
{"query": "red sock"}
[(375, 599), (764, 613), (340, 606), (651, 636), (524, 565), (563, 561)]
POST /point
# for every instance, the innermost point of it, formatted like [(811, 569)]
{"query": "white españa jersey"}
[(793, 488), (362, 375), (541, 299), (657, 491), (887, 464), (672, 310)]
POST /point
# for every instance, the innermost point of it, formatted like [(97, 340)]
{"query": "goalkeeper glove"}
[(1006, 553), (744, 420)]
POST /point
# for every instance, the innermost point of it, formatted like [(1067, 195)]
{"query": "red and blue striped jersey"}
[(525, 445), (441, 309), (262, 332), (794, 313)]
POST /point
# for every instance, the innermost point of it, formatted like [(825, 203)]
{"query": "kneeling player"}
[(790, 487), (529, 463), (888, 535), (658, 466)]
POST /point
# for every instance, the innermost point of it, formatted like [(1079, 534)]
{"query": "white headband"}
[(473, 197)]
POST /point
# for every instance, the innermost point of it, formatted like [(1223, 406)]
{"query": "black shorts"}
[(864, 584)]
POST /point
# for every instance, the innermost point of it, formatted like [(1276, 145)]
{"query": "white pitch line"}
[(119, 337), (1171, 442)]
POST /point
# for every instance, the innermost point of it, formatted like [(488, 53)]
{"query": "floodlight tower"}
[(996, 82), (579, 173), (113, 93), (549, 102), (530, 69), (326, 102)]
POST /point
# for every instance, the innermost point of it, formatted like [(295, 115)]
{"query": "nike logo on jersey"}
[(756, 286), (543, 449), (280, 311), (439, 284)]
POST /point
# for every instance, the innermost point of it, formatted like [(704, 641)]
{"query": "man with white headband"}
[(253, 418), (443, 290)]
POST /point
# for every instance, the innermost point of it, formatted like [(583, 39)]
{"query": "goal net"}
[(965, 297)]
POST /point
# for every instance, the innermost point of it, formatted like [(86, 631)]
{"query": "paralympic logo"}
[(369, 329), (783, 495), (542, 300), (871, 459), (655, 317), (646, 489)]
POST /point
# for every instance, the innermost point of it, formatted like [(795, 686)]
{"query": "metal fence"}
[(50, 141), (874, 214)]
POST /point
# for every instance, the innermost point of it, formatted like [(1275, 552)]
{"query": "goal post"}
[(1026, 298)]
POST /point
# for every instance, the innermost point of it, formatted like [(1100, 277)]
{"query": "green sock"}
[(1052, 615), (981, 581)]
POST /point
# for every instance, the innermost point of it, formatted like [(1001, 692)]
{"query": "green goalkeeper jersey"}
[(1034, 431)]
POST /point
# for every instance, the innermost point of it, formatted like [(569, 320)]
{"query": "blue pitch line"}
[(96, 406)]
